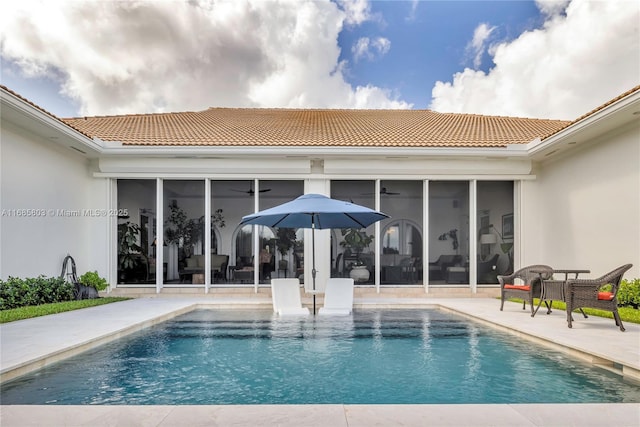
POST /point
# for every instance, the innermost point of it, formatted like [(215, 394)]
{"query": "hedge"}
[(629, 293), (16, 292)]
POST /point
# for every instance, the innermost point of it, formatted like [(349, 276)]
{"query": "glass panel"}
[(401, 257), (230, 200), (298, 255), (448, 232), (184, 231), (353, 249), (136, 231), (495, 225), (276, 253), (277, 246)]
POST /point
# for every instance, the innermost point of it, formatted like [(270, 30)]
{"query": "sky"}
[(555, 59)]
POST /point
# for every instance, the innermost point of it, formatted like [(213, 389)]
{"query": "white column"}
[(376, 233), (425, 235), (473, 235), (112, 256), (159, 235), (207, 235), (256, 239), (322, 241)]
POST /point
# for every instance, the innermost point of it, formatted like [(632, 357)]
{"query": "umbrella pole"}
[(313, 262)]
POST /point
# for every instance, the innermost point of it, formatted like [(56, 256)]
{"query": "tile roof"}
[(283, 127), (315, 128)]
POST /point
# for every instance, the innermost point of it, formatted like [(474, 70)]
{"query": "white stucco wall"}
[(583, 211), (41, 175)]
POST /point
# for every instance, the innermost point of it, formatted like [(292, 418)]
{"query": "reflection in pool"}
[(211, 357)]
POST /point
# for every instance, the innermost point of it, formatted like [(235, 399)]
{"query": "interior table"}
[(553, 289)]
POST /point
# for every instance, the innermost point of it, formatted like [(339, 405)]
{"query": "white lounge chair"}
[(285, 295), (338, 297)]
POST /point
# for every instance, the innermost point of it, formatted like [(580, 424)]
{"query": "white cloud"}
[(357, 11), (412, 11), (477, 45), (366, 48), (382, 45), (361, 48), (136, 57), (576, 62), (552, 7)]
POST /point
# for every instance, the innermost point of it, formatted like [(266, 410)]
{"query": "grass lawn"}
[(58, 307), (627, 314)]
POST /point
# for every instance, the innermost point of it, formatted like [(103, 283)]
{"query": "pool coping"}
[(33, 343)]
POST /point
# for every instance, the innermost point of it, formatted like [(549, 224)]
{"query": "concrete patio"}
[(31, 344)]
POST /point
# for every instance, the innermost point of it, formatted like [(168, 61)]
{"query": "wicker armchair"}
[(527, 290), (580, 293)]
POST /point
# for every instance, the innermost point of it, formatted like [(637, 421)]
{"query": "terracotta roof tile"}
[(307, 127), (284, 127)]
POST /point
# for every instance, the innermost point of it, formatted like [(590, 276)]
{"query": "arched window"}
[(401, 252)]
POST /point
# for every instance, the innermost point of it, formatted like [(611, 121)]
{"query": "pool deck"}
[(30, 344)]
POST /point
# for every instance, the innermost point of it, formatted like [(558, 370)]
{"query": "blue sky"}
[(545, 59), (429, 41)]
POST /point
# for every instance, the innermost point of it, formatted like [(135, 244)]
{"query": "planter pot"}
[(359, 273)]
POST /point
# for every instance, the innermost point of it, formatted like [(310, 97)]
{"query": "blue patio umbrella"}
[(315, 211)]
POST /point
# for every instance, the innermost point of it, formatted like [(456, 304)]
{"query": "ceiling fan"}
[(251, 191), (384, 192)]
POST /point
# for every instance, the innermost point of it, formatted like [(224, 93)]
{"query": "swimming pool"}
[(373, 357)]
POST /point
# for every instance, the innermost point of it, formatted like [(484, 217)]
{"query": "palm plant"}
[(128, 248)]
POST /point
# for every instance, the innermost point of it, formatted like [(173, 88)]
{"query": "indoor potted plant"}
[(356, 240), (286, 241), (128, 249)]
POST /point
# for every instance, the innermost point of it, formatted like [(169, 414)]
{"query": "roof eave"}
[(610, 118), (23, 114), (221, 151)]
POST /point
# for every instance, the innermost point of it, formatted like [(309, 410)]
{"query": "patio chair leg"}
[(502, 303), (524, 304), (616, 317), (533, 313)]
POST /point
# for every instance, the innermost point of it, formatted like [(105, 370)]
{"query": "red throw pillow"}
[(518, 287), (605, 296)]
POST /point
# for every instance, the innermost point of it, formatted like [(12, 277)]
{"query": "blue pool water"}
[(373, 357)]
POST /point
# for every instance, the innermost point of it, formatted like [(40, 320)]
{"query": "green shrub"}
[(629, 293), (606, 288), (91, 278), (16, 292)]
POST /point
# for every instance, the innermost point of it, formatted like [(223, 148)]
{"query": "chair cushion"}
[(605, 296), (518, 287), (199, 260)]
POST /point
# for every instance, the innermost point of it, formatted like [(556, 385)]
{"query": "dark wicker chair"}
[(581, 293), (529, 288)]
